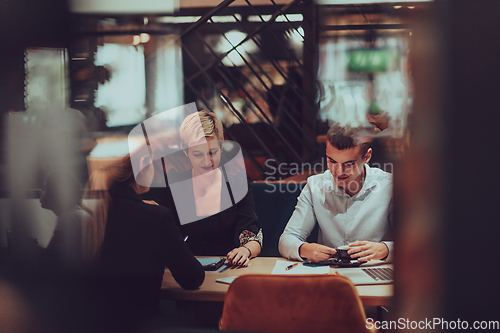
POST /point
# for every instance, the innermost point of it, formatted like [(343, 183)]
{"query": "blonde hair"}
[(97, 188), (199, 125)]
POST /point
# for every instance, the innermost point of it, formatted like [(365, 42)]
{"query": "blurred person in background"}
[(62, 194), (46, 287)]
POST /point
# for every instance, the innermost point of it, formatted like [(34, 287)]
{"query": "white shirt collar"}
[(369, 183)]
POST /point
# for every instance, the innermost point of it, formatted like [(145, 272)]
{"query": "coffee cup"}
[(342, 254)]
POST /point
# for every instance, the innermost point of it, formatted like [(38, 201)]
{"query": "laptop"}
[(368, 275)]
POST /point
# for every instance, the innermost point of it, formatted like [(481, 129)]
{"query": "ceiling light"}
[(177, 19), (259, 18), (192, 19), (279, 18), (234, 57), (290, 17), (144, 38), (225, 18)]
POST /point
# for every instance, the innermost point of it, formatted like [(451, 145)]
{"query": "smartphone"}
[(212, 264)]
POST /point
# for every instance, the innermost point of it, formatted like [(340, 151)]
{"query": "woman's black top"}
[(140, 240), (217, 234)]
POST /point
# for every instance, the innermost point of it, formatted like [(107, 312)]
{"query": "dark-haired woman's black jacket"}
[(140, 240)]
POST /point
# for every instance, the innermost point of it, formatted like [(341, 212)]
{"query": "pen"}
[(186, 238), (291, 266)]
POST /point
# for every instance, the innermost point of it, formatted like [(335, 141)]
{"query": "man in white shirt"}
[(350, 202)]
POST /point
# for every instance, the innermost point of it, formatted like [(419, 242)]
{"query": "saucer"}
[(334, 262), (352, 263)]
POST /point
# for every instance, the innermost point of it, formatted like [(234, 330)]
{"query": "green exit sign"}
[(370, 60)]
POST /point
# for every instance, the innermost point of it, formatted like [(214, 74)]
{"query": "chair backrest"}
[(274, 205), (300, 303)]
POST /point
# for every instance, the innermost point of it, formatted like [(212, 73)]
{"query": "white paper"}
[(280, 268)]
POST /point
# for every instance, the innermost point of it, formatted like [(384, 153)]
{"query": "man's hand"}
[(365, 251), (316, 252)]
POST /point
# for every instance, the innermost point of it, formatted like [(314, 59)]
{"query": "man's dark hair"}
[(346, 137)]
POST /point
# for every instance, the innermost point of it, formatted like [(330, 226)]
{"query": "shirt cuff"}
[(298, 252), (390, 246), (247, 236), (293, 252)]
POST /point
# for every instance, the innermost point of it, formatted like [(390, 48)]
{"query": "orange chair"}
[(300, 303)]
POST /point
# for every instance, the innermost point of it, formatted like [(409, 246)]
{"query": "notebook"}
[(368, 275)]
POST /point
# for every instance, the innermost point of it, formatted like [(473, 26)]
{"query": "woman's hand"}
[(239, 257)]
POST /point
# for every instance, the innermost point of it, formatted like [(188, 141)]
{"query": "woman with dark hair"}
[(128, 243)]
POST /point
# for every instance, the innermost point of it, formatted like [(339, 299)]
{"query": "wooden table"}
[(210, 290)]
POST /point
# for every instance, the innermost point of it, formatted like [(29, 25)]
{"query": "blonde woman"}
[(212, 226), (129, 243)]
